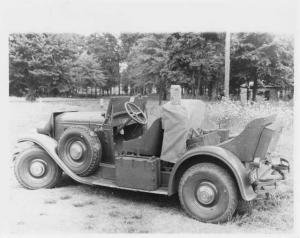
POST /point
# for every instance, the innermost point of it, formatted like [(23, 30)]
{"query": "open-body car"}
[(210, 170)]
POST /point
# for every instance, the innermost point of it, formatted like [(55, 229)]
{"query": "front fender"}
[(224, 156), (50, 145)]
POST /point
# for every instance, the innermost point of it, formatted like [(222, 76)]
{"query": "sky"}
[(115, 16)]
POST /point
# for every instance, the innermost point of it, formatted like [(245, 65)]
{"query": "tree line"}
[(72, 64)]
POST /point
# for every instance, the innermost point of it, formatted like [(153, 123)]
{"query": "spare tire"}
[(80, 149)]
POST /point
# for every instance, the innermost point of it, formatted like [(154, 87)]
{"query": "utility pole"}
[(227, 64)]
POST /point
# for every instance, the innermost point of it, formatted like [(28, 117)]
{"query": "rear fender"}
[(50, 145), (223, 156)]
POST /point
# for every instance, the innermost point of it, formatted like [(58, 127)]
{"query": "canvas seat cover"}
[(177, 120)]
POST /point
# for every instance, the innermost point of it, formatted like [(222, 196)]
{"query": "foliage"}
[(107, 52), (145, 61), (195, 60), (128, 40), (39, 61), (261, 58), (44, 63), (87, 72)]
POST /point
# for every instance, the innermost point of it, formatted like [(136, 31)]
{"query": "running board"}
[(50, 145), (109, 183)]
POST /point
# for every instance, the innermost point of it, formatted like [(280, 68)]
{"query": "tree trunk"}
[(194, 85), (214, 93), (164, 94), (248, 91), (200, 88), (254, 90), (160, 98), (31, 95), (119, 78), (227, 64)]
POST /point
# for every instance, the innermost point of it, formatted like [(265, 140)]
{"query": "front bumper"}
[(265, 176)]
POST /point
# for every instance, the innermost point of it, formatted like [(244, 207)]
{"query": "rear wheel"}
[(80, 149), (35, 169), (208, 193)]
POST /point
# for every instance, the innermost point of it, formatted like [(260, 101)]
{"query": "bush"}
[(31, 96), (234, 115)]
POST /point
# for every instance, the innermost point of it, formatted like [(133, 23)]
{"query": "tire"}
[(219, 198), (90, 146), (49, 175)]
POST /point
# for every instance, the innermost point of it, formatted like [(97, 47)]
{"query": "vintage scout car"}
[(210, 170)]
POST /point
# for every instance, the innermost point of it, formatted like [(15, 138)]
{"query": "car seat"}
[(149, 144)]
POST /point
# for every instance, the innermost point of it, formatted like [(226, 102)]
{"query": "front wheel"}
[(35, 169), (208, 193)]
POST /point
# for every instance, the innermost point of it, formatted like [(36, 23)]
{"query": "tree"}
[(106, 49), (195, 61), (261, 58), (145, 62), (29, 63), (39, 61), (42, 63), (128, 40), (87, 72)]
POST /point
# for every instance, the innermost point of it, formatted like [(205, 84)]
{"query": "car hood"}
[(80, 117)]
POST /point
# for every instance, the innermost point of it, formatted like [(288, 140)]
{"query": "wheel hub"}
[(37, 168), (206, 193), (76, 150)]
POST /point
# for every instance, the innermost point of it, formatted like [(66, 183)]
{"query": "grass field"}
[(73, 207)]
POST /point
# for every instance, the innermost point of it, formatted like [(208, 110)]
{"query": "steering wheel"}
[(136, 113)]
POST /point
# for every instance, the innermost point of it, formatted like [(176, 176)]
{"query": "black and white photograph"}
[(149, 117)]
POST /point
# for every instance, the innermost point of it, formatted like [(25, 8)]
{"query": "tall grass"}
[(235, 115)]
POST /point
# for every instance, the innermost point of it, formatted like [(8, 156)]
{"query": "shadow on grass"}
[(264, 209), (125, 196)]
